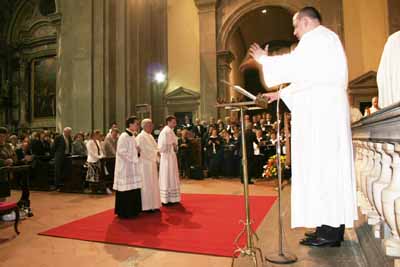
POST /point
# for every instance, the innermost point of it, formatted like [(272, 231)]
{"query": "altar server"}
[(149, 157), (169, 173), (127, 178)]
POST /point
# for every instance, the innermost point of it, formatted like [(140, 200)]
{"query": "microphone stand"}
[(280, 257)]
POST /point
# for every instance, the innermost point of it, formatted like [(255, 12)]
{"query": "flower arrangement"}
[(271, 169)]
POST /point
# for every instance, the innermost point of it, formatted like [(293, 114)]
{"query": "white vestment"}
[(169, 173), (388, 77), (127, 174), (148, 164), (323, 184)]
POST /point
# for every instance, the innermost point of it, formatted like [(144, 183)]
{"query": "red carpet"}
[(204, 224)]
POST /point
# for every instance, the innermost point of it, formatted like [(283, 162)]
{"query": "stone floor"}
[(53, 209)]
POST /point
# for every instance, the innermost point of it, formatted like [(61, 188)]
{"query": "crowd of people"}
[(211, 149)]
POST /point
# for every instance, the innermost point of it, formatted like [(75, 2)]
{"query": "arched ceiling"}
[(266, 24)]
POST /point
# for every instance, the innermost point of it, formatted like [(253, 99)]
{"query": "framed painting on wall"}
[(43, 87)]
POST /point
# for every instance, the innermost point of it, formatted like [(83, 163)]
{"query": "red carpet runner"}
[(204, 224)]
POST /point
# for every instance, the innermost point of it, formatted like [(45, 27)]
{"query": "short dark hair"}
[(3, 130), (170, 118), (130, 120), (311, 12)]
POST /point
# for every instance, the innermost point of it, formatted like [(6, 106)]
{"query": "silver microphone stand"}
[(280, 257)]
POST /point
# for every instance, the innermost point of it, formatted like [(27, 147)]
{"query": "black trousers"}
[(331, 233), (128, 204)]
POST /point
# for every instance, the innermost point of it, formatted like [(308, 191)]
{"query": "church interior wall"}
[(183, 46), (366, 31)]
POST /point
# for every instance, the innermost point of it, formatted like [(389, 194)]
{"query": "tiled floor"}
[(53, 209)]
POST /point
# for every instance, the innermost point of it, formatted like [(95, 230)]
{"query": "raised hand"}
[(257, 52)]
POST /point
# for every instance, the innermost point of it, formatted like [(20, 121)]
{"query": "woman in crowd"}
[(184, 153), (78, 146), (215, 154), (228, 147), (95, 154)]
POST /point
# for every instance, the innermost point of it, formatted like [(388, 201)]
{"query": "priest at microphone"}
[(323, 184)]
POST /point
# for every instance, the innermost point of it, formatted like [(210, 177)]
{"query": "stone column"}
[(23, 91), (208, 57), (74, 99), (224, 59)]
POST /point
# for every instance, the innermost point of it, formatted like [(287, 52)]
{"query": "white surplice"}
[(388, 77), (127, 175), (169, 173), (148, 164), (323, 184)]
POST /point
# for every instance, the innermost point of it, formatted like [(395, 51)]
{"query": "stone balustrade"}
[(376, 142)]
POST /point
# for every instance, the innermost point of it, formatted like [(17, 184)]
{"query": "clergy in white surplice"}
[(388, 77), (127, 175), (323, 185), (148, 164), (169, 173)]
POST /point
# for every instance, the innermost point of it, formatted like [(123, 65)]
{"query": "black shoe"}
[(319, 242), (311, 234)]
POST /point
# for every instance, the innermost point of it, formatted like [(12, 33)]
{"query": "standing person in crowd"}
[(114, 125), (211, 123), (374, 108), (127, 177), (95, 154), (250, 138), (235, 140), (169, 173), (220, 126), (79, 146), (206, 160), (259, 146), (14, 142), (187, 124), (149, 156), (62, 153), (227, 158), (184, 153), (7, 158), (24, 156), (215, 154), (323, 185), (198, 129), (110, 143)]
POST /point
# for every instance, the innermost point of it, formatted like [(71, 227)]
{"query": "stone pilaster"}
[(208, 57)]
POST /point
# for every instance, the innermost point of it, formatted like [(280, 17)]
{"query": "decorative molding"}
[(181, 94), (364, 85)]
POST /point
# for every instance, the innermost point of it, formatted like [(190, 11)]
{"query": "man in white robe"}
[(374, 107), (169, 173), (127, 176), (388, 77), (323, 184), (148, 164)]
